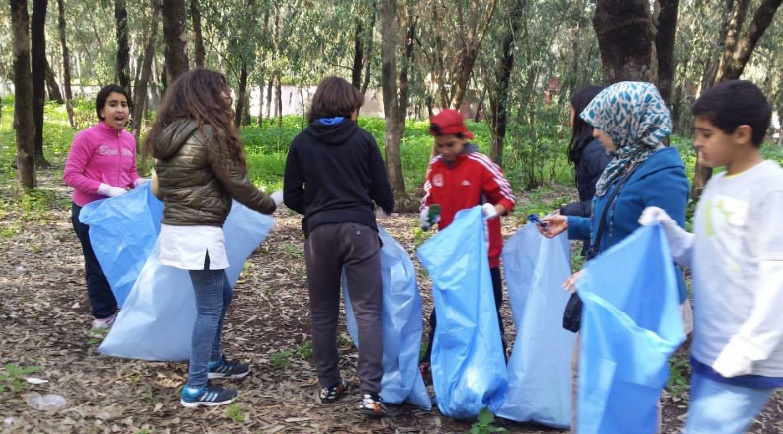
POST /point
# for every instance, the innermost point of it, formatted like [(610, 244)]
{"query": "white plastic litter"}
[(45, 402), (33, 380)]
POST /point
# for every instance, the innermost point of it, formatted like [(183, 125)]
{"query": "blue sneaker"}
[(227, 369), (209, 396)]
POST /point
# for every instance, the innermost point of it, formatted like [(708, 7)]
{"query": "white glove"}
[(489, 211), (380, 213), (732, 363), (680, 241), (277, 196), (140, 181), (108, 190)]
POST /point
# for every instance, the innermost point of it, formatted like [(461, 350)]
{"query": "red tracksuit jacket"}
[(472, 179)]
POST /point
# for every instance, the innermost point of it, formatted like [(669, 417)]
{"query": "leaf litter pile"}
[(45, 320)]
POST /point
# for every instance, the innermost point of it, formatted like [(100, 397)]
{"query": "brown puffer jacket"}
[(197, 179)]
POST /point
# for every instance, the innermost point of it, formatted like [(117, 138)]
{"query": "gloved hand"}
[(680, 241), (489, 211), (732, 362), (140, 181), (380, 213), (108, 190), (429, 215), (277, 196)]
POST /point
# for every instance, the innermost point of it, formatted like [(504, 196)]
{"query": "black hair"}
[(104, 93), (334, 97), (733, 103), (581, 131)]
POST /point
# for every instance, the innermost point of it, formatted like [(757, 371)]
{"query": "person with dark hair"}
[(586, 153), (459, 177), (101, 164), (736, 258), (200, 167), (334, 175), (632, 122)]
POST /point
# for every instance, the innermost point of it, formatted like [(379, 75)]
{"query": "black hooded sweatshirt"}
[(333, 174)]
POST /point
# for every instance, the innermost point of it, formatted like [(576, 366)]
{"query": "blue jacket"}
[(660, 181)]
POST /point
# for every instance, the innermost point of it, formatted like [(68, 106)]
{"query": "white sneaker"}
[(104, 323)]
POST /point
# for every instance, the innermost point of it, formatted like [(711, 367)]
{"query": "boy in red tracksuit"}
[(460, 177)]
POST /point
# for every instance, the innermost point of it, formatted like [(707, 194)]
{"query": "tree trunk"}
[(140, 89), (664, 45), (368, 54), (626, 39), (736, 53), (269, 98), (391, 102), (279, 101), (122, 70), (175, 36), (358, 55), (38, 39), (260, 118), (198, 38), (23, 102), (467, 58), (240, 102), (51, 85), (66, 62)]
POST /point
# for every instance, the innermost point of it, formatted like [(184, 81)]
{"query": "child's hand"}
[(553, 225), (732, 363), (429, 216), (489, 211), (570, 283)]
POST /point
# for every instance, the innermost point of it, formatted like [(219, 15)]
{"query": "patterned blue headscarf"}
[(634, 115)]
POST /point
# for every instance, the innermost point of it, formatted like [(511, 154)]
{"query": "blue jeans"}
[(213, 296), (102, 299), (719, 408)]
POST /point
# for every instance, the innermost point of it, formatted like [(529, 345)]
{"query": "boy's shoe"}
[(227, 369), (329, 395), (209, 396), (100, 324), (372, 406)]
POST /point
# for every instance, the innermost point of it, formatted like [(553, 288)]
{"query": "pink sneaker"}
[(104, 323)]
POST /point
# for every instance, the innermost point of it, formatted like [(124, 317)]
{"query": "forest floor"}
[(44, 318)]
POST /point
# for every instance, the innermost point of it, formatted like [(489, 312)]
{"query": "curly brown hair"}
[(199, 95)]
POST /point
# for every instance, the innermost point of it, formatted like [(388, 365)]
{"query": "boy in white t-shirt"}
[(736, 256)]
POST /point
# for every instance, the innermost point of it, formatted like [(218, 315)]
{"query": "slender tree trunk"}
[(664, 45), (140, 89), (38, 39), (279, 101), (122, 70), (260, 118), (626, 39), (240, 103), (269, 87), (175, 35), (391, 102), (467, 59), (66, 62), (358, 55), (23, 102), (198, 38), (51, 85), (368, 54)]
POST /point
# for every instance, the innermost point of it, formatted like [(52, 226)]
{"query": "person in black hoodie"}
[(586, 153), (334, 176)]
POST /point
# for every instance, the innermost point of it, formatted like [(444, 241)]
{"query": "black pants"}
[(497, 291), (101, 297)]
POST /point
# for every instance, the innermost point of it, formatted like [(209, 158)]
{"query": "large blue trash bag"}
[(631, 324), (123, 231), (468, 366), (402, 380), (157, 320), (539, 370)]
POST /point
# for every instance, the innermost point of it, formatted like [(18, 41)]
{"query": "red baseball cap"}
[(449, 122)]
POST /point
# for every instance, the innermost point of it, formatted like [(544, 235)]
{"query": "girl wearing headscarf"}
[(632, 122)]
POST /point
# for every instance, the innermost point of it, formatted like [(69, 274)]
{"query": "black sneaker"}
[(372, 406), (329, 395), (227, 369), (209, 396)]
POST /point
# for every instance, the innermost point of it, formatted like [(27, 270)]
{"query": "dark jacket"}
[(333, 174), (197, 178), (591, 163)]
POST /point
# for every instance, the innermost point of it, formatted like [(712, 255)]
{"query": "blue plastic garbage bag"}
[(157, 320), (402, 380), (539, 370), (631, 324), (123, 231), (468, 367)]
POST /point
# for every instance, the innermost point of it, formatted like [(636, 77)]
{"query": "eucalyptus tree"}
[(38, 53), (66, 61), (122, 66), (175, 36), (394, 96), (23, 102), (145, 73)]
